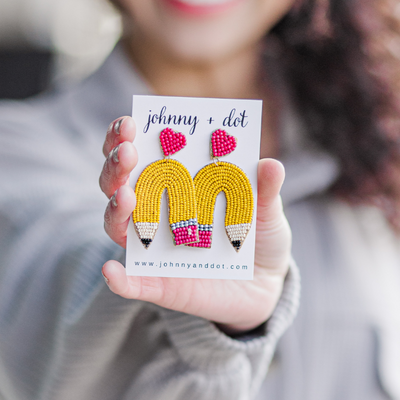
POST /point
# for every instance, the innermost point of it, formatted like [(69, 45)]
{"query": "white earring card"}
[(196, 187)]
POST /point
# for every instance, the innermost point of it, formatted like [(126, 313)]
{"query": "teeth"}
[(204, 2)]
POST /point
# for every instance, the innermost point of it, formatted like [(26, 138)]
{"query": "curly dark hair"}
[(337, 60)]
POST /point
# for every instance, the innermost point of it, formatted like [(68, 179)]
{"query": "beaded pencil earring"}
[(221, 176), (171, 175)]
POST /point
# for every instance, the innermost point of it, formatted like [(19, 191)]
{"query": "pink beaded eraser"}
[(171, 141), (222, 143)]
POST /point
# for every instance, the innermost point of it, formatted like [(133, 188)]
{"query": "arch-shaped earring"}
[(220, 176), (175, 178)]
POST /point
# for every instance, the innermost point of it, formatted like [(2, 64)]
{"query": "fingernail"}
[(105, 278), (117, 126), (114, 199), (114, 153)]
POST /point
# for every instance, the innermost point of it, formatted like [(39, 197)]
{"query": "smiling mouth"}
[(202, 7), (204, 2)]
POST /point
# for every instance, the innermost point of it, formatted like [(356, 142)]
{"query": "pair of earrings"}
[(192, 201)]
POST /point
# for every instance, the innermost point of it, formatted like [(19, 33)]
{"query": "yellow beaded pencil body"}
[(228, 178), (170, 175)]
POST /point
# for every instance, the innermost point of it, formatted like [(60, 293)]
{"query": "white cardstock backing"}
[(239, 118)]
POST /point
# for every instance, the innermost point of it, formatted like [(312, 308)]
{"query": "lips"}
[(201, 7), (203, 2)]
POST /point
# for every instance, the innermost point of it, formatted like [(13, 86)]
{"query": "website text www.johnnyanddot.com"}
[(189, 265)]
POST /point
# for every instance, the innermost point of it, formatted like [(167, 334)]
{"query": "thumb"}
[(271, 175), (273, 236)]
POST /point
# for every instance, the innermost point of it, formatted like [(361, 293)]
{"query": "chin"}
[(200, 55), (205, 47)]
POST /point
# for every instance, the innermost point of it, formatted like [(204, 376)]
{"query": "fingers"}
[(273, 238), (121, 155), (117, 167), (118, 213), (121, 130), (114, 178), (271, 175), (132, 287), (115, 277)]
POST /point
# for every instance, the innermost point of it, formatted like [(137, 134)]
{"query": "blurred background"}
[(50, 43)]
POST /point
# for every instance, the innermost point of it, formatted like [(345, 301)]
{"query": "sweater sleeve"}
[(206, 364), (63, 334)]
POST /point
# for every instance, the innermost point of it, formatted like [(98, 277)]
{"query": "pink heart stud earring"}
[(222, 144)]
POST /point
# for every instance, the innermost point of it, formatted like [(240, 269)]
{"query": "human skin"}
[(171, 44)]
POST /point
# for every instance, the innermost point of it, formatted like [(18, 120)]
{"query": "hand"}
[(235, 306)]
